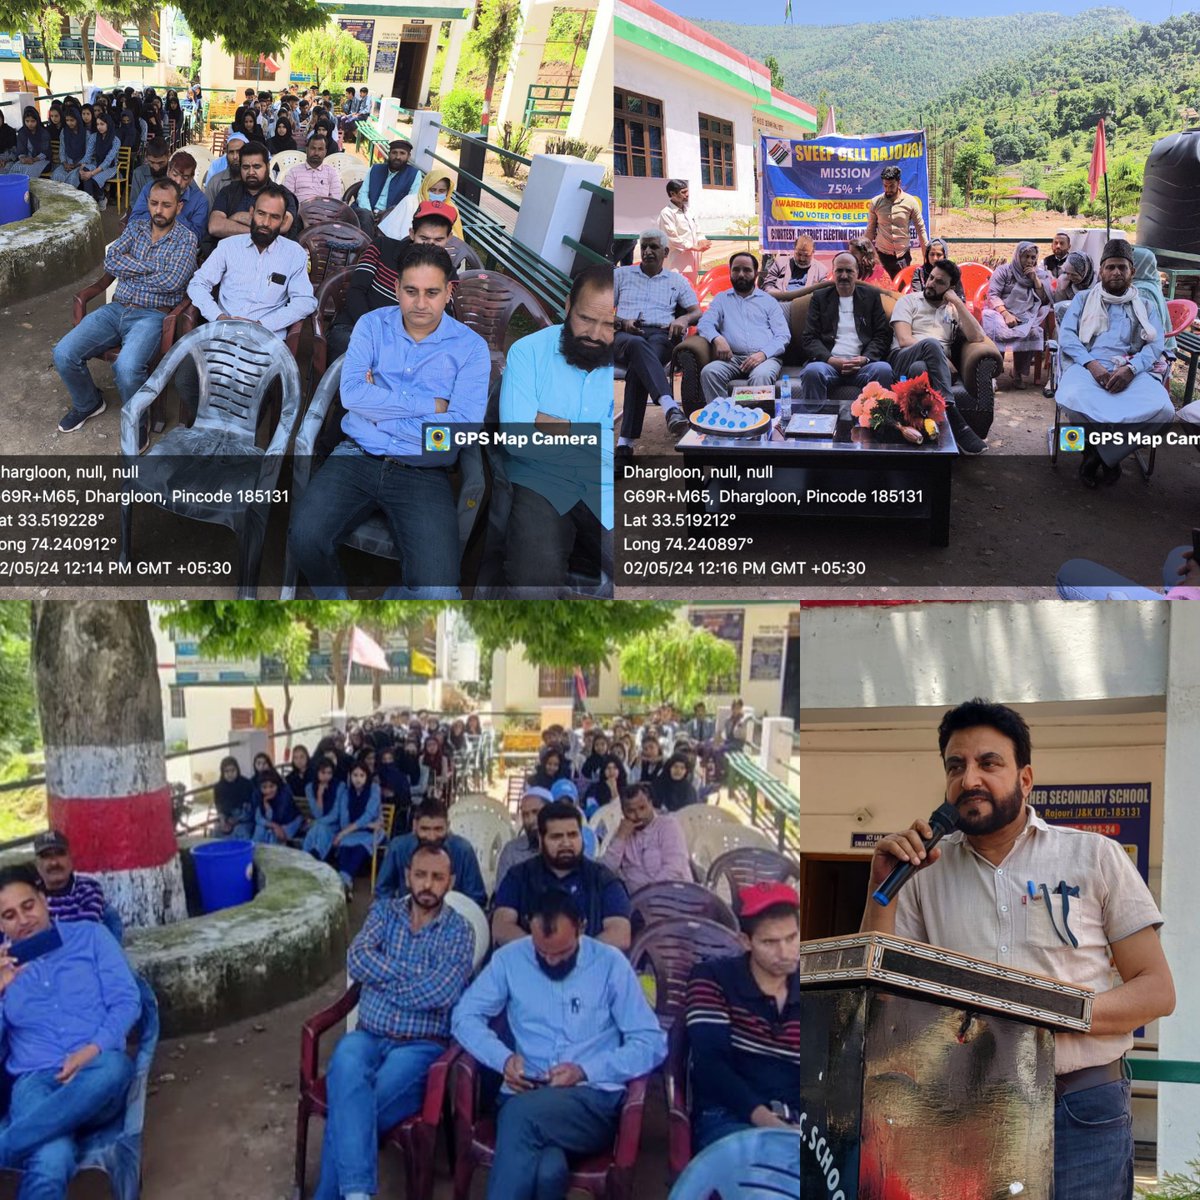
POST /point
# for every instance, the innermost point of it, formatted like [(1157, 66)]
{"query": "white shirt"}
[(927, 321), (846, 344)]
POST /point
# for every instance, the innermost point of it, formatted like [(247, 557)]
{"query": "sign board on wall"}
[(385, 55), (1118, 810), (866, 841), (363, 30), (12, 46), (766, 658)]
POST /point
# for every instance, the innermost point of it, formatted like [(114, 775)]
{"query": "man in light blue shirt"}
[(64, 1015), (747, 330), (409, 371), (582, 1030), (558, 383)]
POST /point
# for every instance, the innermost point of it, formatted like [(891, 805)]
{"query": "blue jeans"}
[(816, 378), (535, 1131), (418, 503), (46, 1115), (373, 1084), (712, 1124), (138, 331), (1093, 1144)]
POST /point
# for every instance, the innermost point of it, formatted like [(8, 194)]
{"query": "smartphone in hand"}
[(534, 1080), (1196, 544), (27, 949)]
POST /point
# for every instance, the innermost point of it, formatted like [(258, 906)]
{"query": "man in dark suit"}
[(847, 335)]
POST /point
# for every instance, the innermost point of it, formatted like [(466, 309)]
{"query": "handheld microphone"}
[(944, 820)]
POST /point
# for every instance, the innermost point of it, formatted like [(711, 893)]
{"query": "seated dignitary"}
[(1110, 340), (230, 216), (194, 207), (407, 367), (152, 261), (65, 1015), (581, 1029), (743, 1021), (431, 828), (413, 958), (1019, 297), (69, 895), (747, 330), (1059, 249), (846, 335), (791, 275), (601, 898), (654, 309), (559, 381), (525, 845), (1066, 903), (648, 846), (926, 325), (386, 184), (373, 282), (225, 170), (158, 158), (314, 178)]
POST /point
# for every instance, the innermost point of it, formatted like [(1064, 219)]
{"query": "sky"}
[(804, 12)]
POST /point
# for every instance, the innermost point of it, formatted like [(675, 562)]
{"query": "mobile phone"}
[(27, 949), (1196, 544), (534, 1080)]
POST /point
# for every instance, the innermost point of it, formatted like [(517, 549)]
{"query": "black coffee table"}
[(855, 459)]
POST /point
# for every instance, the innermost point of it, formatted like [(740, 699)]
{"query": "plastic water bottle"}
[(785, 400)]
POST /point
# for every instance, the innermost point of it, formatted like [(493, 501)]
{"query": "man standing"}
[(407, 367), (70, 897), (559, 381), (413, 958), (682, 232), (795, 274), (926, 325), (152, 261), (889, 220), (581, 1028), (648, 846), (525, 845), (65, 1015), (431, 828), (846, 336), (1059, 249), (194, 207), (747, 330), (976, 902), (654, 309), (230, 216), (314, 178), (599, 895), (387, 184)]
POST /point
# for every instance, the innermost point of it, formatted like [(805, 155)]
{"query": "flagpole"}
[(1107, 211)]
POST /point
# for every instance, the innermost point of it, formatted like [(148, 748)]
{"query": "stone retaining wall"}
[(61, 242)]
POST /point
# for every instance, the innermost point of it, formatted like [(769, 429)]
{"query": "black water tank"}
[(1169, 218)]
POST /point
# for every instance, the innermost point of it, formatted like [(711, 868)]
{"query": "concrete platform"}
[(62, 241)]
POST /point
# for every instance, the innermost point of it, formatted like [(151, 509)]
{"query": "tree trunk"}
[(339, 676), (486, 118), (287, 707), (106, 782), (85, 25)]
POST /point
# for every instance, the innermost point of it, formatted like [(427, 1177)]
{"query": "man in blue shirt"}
[(558, 382), (581, 1028), (194, 213), (413, 958), (599, 895), (64, 1017), (431, 829), (407, 368)]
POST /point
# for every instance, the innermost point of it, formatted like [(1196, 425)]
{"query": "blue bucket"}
[(224, 873), (14, 198)]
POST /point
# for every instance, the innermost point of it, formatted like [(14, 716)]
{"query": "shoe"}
[(1089, 468), (1048, 391), (623, 453), (103, 203), (76, 419), (677, 423), (969, 442)]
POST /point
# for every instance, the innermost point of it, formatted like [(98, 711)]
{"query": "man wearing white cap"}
[(525, 845)]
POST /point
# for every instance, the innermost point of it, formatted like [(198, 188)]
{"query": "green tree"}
[(772, 65), (19, 732), (49, 24), (493, 40), (973, 159), (328, 53), (993, 193), (678, 662)]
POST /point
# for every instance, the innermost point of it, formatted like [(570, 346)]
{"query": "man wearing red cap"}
[(743, 1022)]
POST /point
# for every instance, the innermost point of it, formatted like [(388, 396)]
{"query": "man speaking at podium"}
[(1067, 903)]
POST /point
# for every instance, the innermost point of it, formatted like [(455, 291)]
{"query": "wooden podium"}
[(927, 1075)]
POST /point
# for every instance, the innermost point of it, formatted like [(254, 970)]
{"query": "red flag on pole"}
[(1099, 165), (268, 62), (106, 35), (829, 125)]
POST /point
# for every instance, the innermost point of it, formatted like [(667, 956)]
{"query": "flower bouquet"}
[(909, 410)]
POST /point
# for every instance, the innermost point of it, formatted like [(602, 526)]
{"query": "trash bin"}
[(225, 873), (14, 198)]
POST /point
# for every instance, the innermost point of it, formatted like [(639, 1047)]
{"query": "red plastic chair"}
[(322, 211), (714, 281), (903, 281), (414, 1137), (1182, 314), (679, 1116), (330, 247), (331, 297), (974, 276)]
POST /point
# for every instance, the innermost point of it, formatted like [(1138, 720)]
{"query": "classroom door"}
[(833, 890), (410, 65)]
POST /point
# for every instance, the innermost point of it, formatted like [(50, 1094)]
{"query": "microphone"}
[(944, 820)]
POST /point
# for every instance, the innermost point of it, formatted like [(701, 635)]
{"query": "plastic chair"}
[(120, 181), (478, 921), (283, 162), (350, 167), (483, 804), (751, 1165), (374, 535), (350, 195), (414, 1137), (487, 832), (709, 843), (713, 282), (974, 276), (668, 950), (331, 247), (605, 820), (321, 211), (1182, 314), (746, 865), (674, 899), (237, 363), (903, 281), (486, 301), (331, 298), (676, 1084), (387, 815), (694, 817)]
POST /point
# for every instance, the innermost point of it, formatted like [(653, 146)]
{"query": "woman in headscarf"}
[(33, 146), (1018, 301), (870, 269), (154, 126), (233, 797), (87, 114), (1077, 275), (935, 250), (438, 765), (673, 789), (276, 818), (54, 121), (301, 773), (246, 122), (358, 824), (609, 785), (174, 113), (1147, 281), (322, 795), (284, 137), (594, 762), (129, 132), (74, 146), (101, 163), (8, 143), (438, 185)]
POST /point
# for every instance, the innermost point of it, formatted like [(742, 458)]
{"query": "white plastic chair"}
[(711, 841), (487, 832), (695, 817), (481, 804), (479, 924), (283, 162), (349, 166), (604, 821)]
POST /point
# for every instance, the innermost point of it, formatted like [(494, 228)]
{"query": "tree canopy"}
[(328, 53), (677, 663)]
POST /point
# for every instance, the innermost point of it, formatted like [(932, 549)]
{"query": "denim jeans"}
[(535, 1131), (1093, 1144), (540, 539), (138, 331), (816, 378), (712, 1124), (373, 1084), (46, 1115), (929, 356), (418, 503)]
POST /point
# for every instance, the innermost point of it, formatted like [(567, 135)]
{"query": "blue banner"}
[(1120, 811), (824, 186)]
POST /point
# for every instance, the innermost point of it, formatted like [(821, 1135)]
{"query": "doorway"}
[(833, 890), (791, 679), (410, 65)]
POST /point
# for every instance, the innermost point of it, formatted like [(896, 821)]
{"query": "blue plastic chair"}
[(757, 1164)]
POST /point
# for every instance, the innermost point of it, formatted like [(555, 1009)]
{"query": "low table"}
[(858, 459)]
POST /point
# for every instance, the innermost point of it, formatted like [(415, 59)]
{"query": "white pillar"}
[(424, 137), (554, 204), (458, 34), (525, 63), (775, 747), (1179, 1034), (427, 69), (591, 114)]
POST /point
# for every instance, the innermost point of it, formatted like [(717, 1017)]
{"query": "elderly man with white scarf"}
[(1110, 338)]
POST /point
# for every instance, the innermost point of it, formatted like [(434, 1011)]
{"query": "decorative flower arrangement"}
[(910, 409)]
